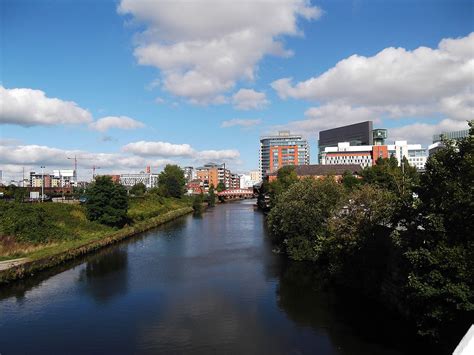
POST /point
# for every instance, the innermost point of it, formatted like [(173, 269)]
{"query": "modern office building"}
[(148, 179), (282, 149), (437, 139), (355, 134), (367, 155)]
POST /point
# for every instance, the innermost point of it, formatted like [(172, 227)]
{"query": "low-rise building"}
[(367, 155), (317, 171), (148, 179)]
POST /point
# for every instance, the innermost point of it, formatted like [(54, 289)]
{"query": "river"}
[(205, 284)]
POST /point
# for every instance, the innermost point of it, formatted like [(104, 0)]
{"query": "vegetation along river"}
[(202, 285)]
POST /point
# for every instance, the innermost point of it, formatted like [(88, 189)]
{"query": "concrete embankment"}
[(18, 271)]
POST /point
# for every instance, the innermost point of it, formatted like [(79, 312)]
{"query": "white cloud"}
[(161, 149), (165, 149), (122, 122), (422, 133), (203, 47), (246, 123), (248, 99), (394, 76), (14, 157), (28, 107)]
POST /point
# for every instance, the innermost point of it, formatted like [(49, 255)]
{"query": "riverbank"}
[(67, 251)]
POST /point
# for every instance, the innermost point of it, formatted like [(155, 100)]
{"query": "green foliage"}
[(107, 202), (211, 197), (350, 181), (138, 189), (439, 247), (197, 202), (286, 176), (220, 186), (152, 205), (299, 218), (27, 223), (171, 181)]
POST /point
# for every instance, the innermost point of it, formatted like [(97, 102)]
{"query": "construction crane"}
[(75, 166)]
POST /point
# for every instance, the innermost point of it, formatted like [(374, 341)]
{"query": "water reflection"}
[(105, 275)]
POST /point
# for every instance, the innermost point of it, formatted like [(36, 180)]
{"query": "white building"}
[(148, 179), (366, 155), (246, 181), (64, 178)]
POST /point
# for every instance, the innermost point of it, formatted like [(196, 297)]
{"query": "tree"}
[(171, 181), (138, 189), (438, 246), (350, 181), (197, 203), (211, 196), (221, 187), (286, 176), (298, 220), (107, 202)]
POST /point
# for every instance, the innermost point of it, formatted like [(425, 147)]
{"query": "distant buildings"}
[(321, 171), (280, 150), (59, 178), (437, 139), (147, 178), (189, 173), (367, 155)]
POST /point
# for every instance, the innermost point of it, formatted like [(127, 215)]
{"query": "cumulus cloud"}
[(394, 76), (203, 47), (165, 149), (246, 123), (29, 107), (421, 132), (392, 85), (248, 99), (121, 122), (14, 157)]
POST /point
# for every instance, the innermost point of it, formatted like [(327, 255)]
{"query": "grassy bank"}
[(50, 233)]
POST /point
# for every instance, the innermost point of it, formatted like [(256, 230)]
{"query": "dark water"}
[(208, 285)]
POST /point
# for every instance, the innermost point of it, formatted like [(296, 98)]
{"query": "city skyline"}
[(122, 87)]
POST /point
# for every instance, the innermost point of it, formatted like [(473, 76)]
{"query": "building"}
[(280, 150), (366, 155), (64, 178), (234, 181), (356, 134), (213, 174), (321, 171), (195, 187), (437, 139), (148, 179), (255, 175), (189, 173)]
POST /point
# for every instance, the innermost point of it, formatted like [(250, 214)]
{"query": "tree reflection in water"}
[(105, 275)]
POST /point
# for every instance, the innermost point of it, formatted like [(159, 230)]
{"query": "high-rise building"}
[(437, 139), (355, 134), (282, 149)]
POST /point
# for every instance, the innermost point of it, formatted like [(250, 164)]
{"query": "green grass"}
[(74, 230)]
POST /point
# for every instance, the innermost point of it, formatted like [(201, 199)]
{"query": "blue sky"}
[(86, 52)]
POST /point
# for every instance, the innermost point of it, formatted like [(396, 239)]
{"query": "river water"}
[(197, 285)]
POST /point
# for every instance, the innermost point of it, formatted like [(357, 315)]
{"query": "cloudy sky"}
[(128, 83)]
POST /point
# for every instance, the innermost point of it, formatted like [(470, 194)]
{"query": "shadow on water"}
[(105, 275), (305, 296)]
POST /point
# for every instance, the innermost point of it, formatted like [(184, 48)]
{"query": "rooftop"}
[(319, 170)]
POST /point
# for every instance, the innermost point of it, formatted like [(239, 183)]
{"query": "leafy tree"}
[(107, 202), (350, 181), (171, 181), (197, 202), (438, 246), (211, 196), (298, 220), (359, 237), (286, 176), (221, 187), (138, 189)]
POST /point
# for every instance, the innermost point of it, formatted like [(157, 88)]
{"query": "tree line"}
[(401, 237)]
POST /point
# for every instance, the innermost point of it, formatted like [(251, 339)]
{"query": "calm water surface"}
[(203, 285)]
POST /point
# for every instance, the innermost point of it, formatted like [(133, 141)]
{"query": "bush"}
[(27, 223)]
